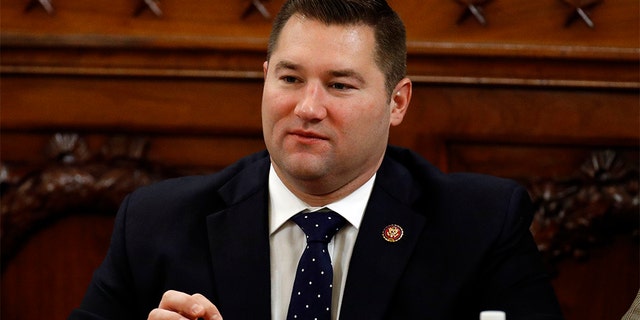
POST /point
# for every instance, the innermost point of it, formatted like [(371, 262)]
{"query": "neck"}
[(324, 191)]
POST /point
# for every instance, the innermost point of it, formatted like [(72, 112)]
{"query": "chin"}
[(304, 168)]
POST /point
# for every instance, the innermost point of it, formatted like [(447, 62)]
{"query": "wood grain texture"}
[(523, 97)]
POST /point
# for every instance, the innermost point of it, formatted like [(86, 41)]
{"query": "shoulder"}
[(476, 209), (452, 192), (198, 190), (406, 164)]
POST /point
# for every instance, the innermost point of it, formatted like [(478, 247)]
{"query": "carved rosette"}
[(575, 214), (74, 180), (572, 215)]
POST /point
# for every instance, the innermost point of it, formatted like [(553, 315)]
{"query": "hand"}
[(177, 305)]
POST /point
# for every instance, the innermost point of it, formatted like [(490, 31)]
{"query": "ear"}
[(265, 67), (400, 99)]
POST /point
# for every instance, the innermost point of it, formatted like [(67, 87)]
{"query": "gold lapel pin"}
[(392, 233)]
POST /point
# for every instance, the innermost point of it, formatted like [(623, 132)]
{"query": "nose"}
[(311, 106)]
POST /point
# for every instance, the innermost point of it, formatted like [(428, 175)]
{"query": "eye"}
[(341, 86), (289, 79)]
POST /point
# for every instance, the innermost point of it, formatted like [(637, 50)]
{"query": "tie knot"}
[(320, 225)]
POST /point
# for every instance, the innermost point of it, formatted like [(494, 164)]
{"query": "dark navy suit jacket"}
[(466, 247)]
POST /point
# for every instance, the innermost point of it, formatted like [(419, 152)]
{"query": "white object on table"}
[(493, 315)]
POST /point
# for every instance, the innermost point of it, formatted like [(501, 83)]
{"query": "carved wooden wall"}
[(98, 97)]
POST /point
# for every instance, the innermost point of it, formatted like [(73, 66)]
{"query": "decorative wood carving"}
[(46, 4), (150, 5), (580, 11), (572, 215), (74, 180), (473, 8), (575, 214), (256, 5)]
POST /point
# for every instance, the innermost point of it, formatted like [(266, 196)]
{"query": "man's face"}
[(325, 110)]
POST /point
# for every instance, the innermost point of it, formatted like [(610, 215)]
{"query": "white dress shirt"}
[(287, 241)]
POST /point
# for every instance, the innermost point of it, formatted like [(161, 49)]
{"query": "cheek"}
[(270, 102), (368, 124), (367, 114), (275, 106)]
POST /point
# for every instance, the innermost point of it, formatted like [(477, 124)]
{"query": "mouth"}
[(306, 135)]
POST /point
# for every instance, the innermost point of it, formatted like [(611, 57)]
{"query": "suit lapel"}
[(376, 264), (239, 244)]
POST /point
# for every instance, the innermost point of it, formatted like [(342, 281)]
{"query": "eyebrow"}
[(341, 73), (287, 65), (348, 73)]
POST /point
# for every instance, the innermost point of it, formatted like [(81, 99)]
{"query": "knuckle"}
[(197, 296), (168, 294), (152, 314)]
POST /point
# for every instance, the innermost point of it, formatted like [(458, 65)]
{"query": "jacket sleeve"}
[(516, 280), (110, 293)]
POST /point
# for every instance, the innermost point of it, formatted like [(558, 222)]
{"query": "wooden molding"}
[(572, 214)]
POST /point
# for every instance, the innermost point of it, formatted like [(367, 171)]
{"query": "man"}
[(415, 244)]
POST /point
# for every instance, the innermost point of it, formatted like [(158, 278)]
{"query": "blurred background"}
[(99, 97)]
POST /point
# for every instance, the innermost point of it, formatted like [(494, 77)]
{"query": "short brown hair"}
[(390, 34)]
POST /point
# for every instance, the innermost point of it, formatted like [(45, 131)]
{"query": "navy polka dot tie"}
[(311, 295)]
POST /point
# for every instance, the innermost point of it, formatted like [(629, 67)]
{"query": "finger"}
[(181, 303), (209, 310), (162, 314)]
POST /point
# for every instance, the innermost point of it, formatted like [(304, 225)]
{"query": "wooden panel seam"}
[(255, 75)]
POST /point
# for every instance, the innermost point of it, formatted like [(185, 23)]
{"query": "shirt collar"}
[(283, 204)]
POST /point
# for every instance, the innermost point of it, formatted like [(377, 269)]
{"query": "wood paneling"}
[(44, 281), (523, 97), (131, 103), (604, 286), (443, 118)]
